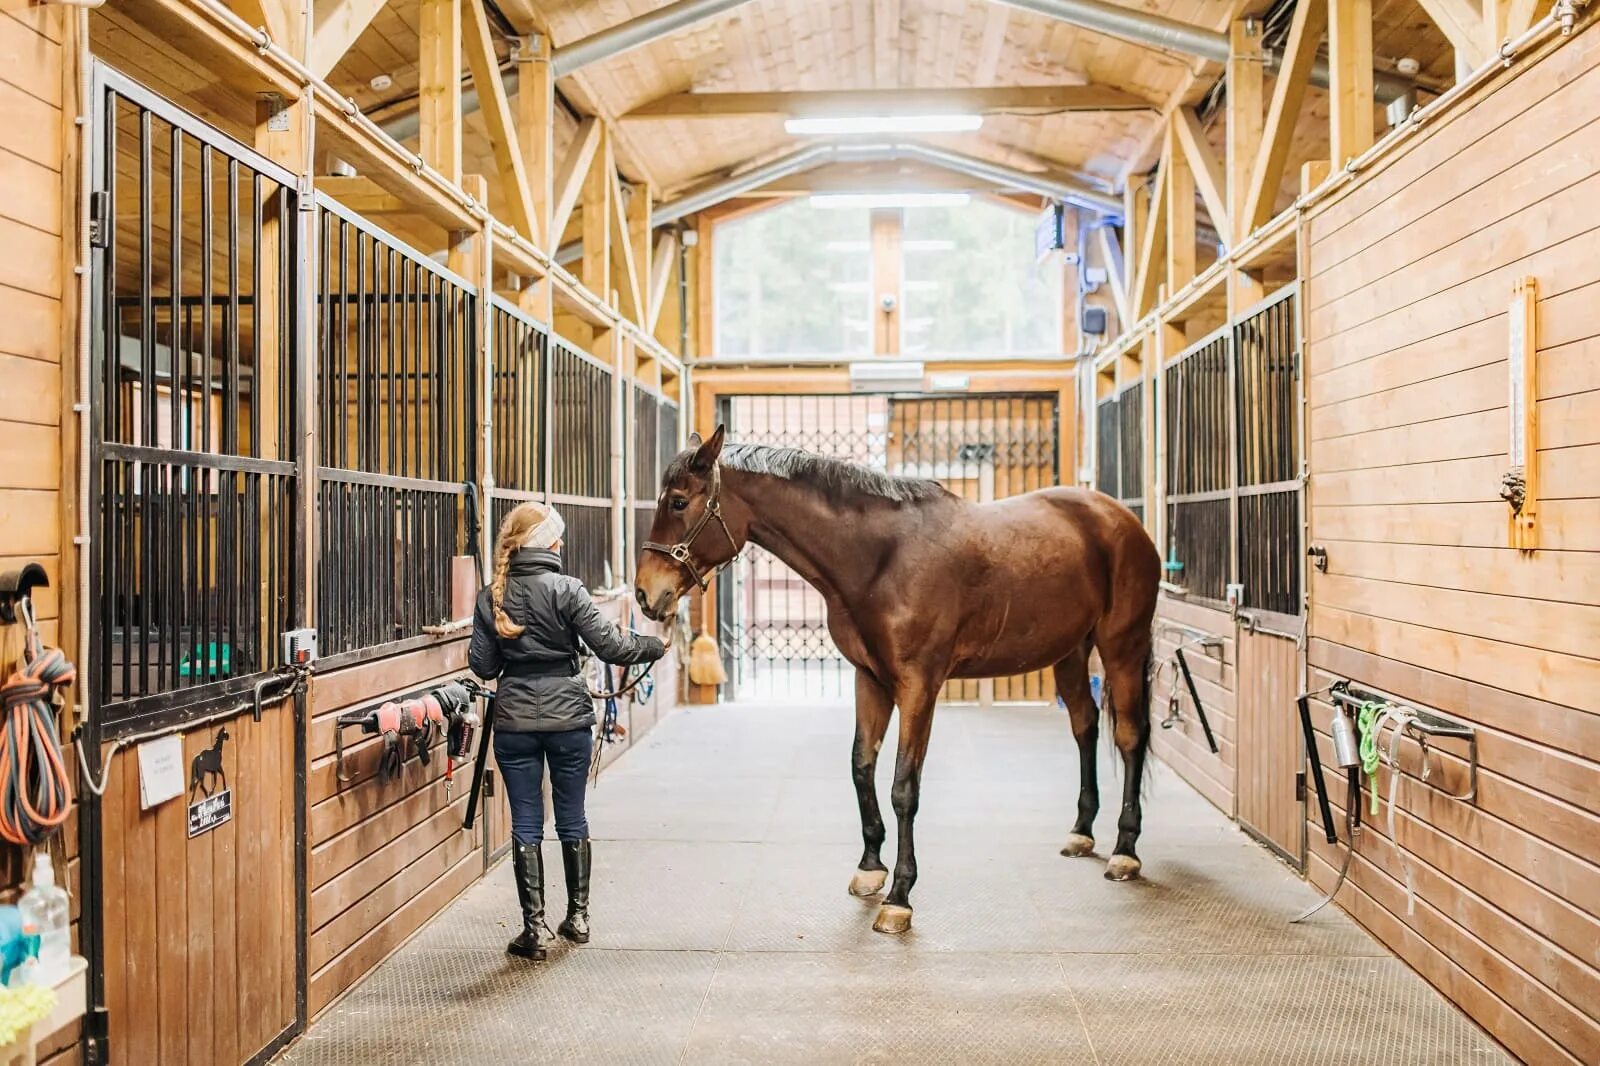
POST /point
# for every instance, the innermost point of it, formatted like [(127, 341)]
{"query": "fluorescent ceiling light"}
[(932, 245), (890, 199), (884, 124)]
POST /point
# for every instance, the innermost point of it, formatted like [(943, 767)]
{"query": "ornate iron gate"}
[(772, 626)]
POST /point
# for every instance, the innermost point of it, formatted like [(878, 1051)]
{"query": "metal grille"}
[(1198, 468), (772, 625), (193, 419), (1266, 343), (580, 444), (518, 346), (1130, 449), (1107, 445), (398, 381)]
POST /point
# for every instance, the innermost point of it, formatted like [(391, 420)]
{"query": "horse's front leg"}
[(916, 700), (874, 704)]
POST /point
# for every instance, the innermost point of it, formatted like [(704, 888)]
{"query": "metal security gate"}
[(772, 626)]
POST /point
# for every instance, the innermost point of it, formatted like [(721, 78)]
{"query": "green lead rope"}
[(1367, 725)]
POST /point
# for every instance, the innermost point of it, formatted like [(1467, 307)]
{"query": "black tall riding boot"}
[(575, 861), (527, 865)]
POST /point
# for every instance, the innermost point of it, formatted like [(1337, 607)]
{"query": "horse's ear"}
[(705, 455)]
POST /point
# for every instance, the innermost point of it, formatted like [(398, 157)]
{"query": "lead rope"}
[(35, 785), (1370, 721)]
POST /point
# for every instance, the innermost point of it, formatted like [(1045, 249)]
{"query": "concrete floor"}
[(723, 931)]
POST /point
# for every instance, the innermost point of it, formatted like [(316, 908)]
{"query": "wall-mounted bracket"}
[(17, 586), (1422, 726)]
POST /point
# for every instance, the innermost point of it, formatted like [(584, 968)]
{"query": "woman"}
[(526, 632)]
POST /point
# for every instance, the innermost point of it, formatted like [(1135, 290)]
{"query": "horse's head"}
[(222, 734), (693, 533)]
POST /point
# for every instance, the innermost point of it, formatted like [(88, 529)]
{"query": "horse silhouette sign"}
[(205, 774)]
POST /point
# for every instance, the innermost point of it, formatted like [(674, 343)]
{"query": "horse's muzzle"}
[(658, 608)]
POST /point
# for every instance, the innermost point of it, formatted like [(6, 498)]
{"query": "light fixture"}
[(890, 199), (883, 124), (380, 82)]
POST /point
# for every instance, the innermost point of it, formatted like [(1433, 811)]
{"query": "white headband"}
[(547, 533)]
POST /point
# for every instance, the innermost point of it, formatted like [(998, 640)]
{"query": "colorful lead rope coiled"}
[(1367, 725), (35, 787)]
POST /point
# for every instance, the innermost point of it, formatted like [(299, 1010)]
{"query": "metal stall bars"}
[(398, 380), (519, 354), (1199, 472), (1267, 391), (193, 434), (580, 464)]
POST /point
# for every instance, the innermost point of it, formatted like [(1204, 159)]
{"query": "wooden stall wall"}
[(385, 855), (37, 171), (1183, 746), (1410, 276)]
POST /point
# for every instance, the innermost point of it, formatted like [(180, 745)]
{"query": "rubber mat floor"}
[(723, 932)]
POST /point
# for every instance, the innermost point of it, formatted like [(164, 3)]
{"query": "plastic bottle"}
[(46, 913)]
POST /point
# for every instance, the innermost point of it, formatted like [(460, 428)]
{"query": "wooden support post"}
[(569, 182), (1244, 104), (1305, 35), (887, 224), (337, 26), (1135, 205), (1351, 120), (1179, 190), (439, 91), (1152, 247), (465, 254), (1167, 341), (704, 330), (598, 189), (1462, 23), (663, 261), (498, 123), (637, 218), (1206, 170), (629, 284), (536, 129)]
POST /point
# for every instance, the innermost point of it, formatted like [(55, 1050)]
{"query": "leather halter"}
[(680, 552)]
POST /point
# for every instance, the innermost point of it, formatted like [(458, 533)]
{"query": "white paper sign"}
[(160, 770)]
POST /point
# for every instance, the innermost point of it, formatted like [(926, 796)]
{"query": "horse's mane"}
[(836, 479)]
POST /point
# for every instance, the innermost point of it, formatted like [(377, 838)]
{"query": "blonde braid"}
[(513, 531)]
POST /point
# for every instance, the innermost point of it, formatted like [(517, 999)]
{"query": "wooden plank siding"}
[(1183, 747), (37, 170), (1409, 275)]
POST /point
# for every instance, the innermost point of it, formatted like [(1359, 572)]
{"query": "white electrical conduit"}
[(1563, 17), (259, 39)]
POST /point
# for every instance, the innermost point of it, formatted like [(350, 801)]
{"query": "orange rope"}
[(35, 787)]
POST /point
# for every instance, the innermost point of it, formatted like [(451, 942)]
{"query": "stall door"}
[(1269, 741), (194, 878)]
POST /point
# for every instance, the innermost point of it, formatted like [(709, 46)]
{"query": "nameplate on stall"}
[(160, 771), (210, 812)]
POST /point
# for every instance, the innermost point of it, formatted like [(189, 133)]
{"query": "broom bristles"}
[(705, 662)]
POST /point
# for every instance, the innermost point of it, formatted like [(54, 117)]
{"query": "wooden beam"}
[(1152, 248), (337, 26), (1505, 19), (364, 196), (497, 120), (439, 92), (536, 123), (1305, 35), (1205, 167), (1244, 95), (599, 184), (887, 263), (663, 260), (625, 262), (280, 18), (1351, 126), (1135, 206), (892, 102), (1071, 287), (569, 182), (1179, 194), (1461, 21), (886, 44), (1116, 273), (637, 221)]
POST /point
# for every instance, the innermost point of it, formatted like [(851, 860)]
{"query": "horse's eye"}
[(680, 503)]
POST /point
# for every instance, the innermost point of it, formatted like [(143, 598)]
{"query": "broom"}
[(705, 662)]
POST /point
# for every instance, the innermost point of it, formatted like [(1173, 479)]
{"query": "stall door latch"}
[(99, 216)]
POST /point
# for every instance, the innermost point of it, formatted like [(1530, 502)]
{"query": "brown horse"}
[(921, 587)]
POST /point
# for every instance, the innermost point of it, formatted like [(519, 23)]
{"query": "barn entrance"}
[(773, 626)]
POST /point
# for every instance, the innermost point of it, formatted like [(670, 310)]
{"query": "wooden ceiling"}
[(785, 45)]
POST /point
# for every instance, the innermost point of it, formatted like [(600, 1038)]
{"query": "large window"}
[(972, 285), (794, 280)]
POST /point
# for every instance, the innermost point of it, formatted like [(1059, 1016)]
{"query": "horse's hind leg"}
[(873, 707), (1072, 682), (1127, 664)]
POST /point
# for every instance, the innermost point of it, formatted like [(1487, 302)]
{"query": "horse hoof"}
[(868, 882), (1078, 844), (892, 919), (1122, 868)]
